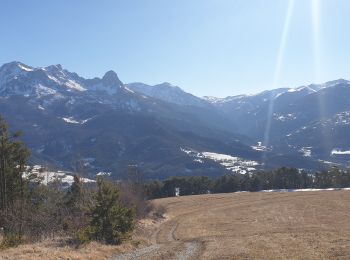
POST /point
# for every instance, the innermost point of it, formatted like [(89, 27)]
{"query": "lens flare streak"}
[(318, 69), (278, 68)]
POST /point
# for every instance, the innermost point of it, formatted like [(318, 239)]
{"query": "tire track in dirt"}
[(165, 245)]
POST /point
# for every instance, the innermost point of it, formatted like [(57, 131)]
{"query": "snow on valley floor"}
[(260, 147), (300, 190), (231, 163), (47, 176)]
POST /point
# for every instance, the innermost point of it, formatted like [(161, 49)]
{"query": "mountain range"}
[(102, 125)]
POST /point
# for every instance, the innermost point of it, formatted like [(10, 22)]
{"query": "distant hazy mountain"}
[(168, 93), (313, 117), (106, 125)]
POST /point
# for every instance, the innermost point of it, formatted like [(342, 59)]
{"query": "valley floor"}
[(307, 225)]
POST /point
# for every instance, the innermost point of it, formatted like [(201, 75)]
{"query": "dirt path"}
[(165, 245), (308, 225)]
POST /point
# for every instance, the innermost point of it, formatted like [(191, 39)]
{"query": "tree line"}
[(282, 178)]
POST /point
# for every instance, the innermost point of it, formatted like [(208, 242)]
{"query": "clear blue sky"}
[(207, 47)]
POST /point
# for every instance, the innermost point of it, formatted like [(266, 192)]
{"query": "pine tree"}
[(13, 186), (74, 195), (245, 182), (13, 158), (110, 222)]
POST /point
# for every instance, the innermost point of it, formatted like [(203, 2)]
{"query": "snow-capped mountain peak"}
[(17, 78), (10, 70), (312, 88), (337, 82)]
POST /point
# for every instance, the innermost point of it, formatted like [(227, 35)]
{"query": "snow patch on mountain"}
[(71, 120), (215, 100), (285, 117), (42, 90), (308, 89), (24, 67), (342, 118), (62, 77), (104, 174), (340, 152), (212, 99), (129, 90), (306, 151), (74, 85)]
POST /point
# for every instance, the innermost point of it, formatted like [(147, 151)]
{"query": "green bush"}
[(10, 240), (84, 235)]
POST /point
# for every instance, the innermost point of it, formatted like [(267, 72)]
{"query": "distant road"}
[(296, 225)]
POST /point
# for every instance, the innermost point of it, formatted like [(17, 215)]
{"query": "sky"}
[(206, 47)]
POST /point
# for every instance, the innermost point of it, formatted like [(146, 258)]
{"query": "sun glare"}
[(318, 66), (277, 73)]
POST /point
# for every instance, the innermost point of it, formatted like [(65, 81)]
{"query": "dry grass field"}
[(296, 225), (299, 225), (51, 249)]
